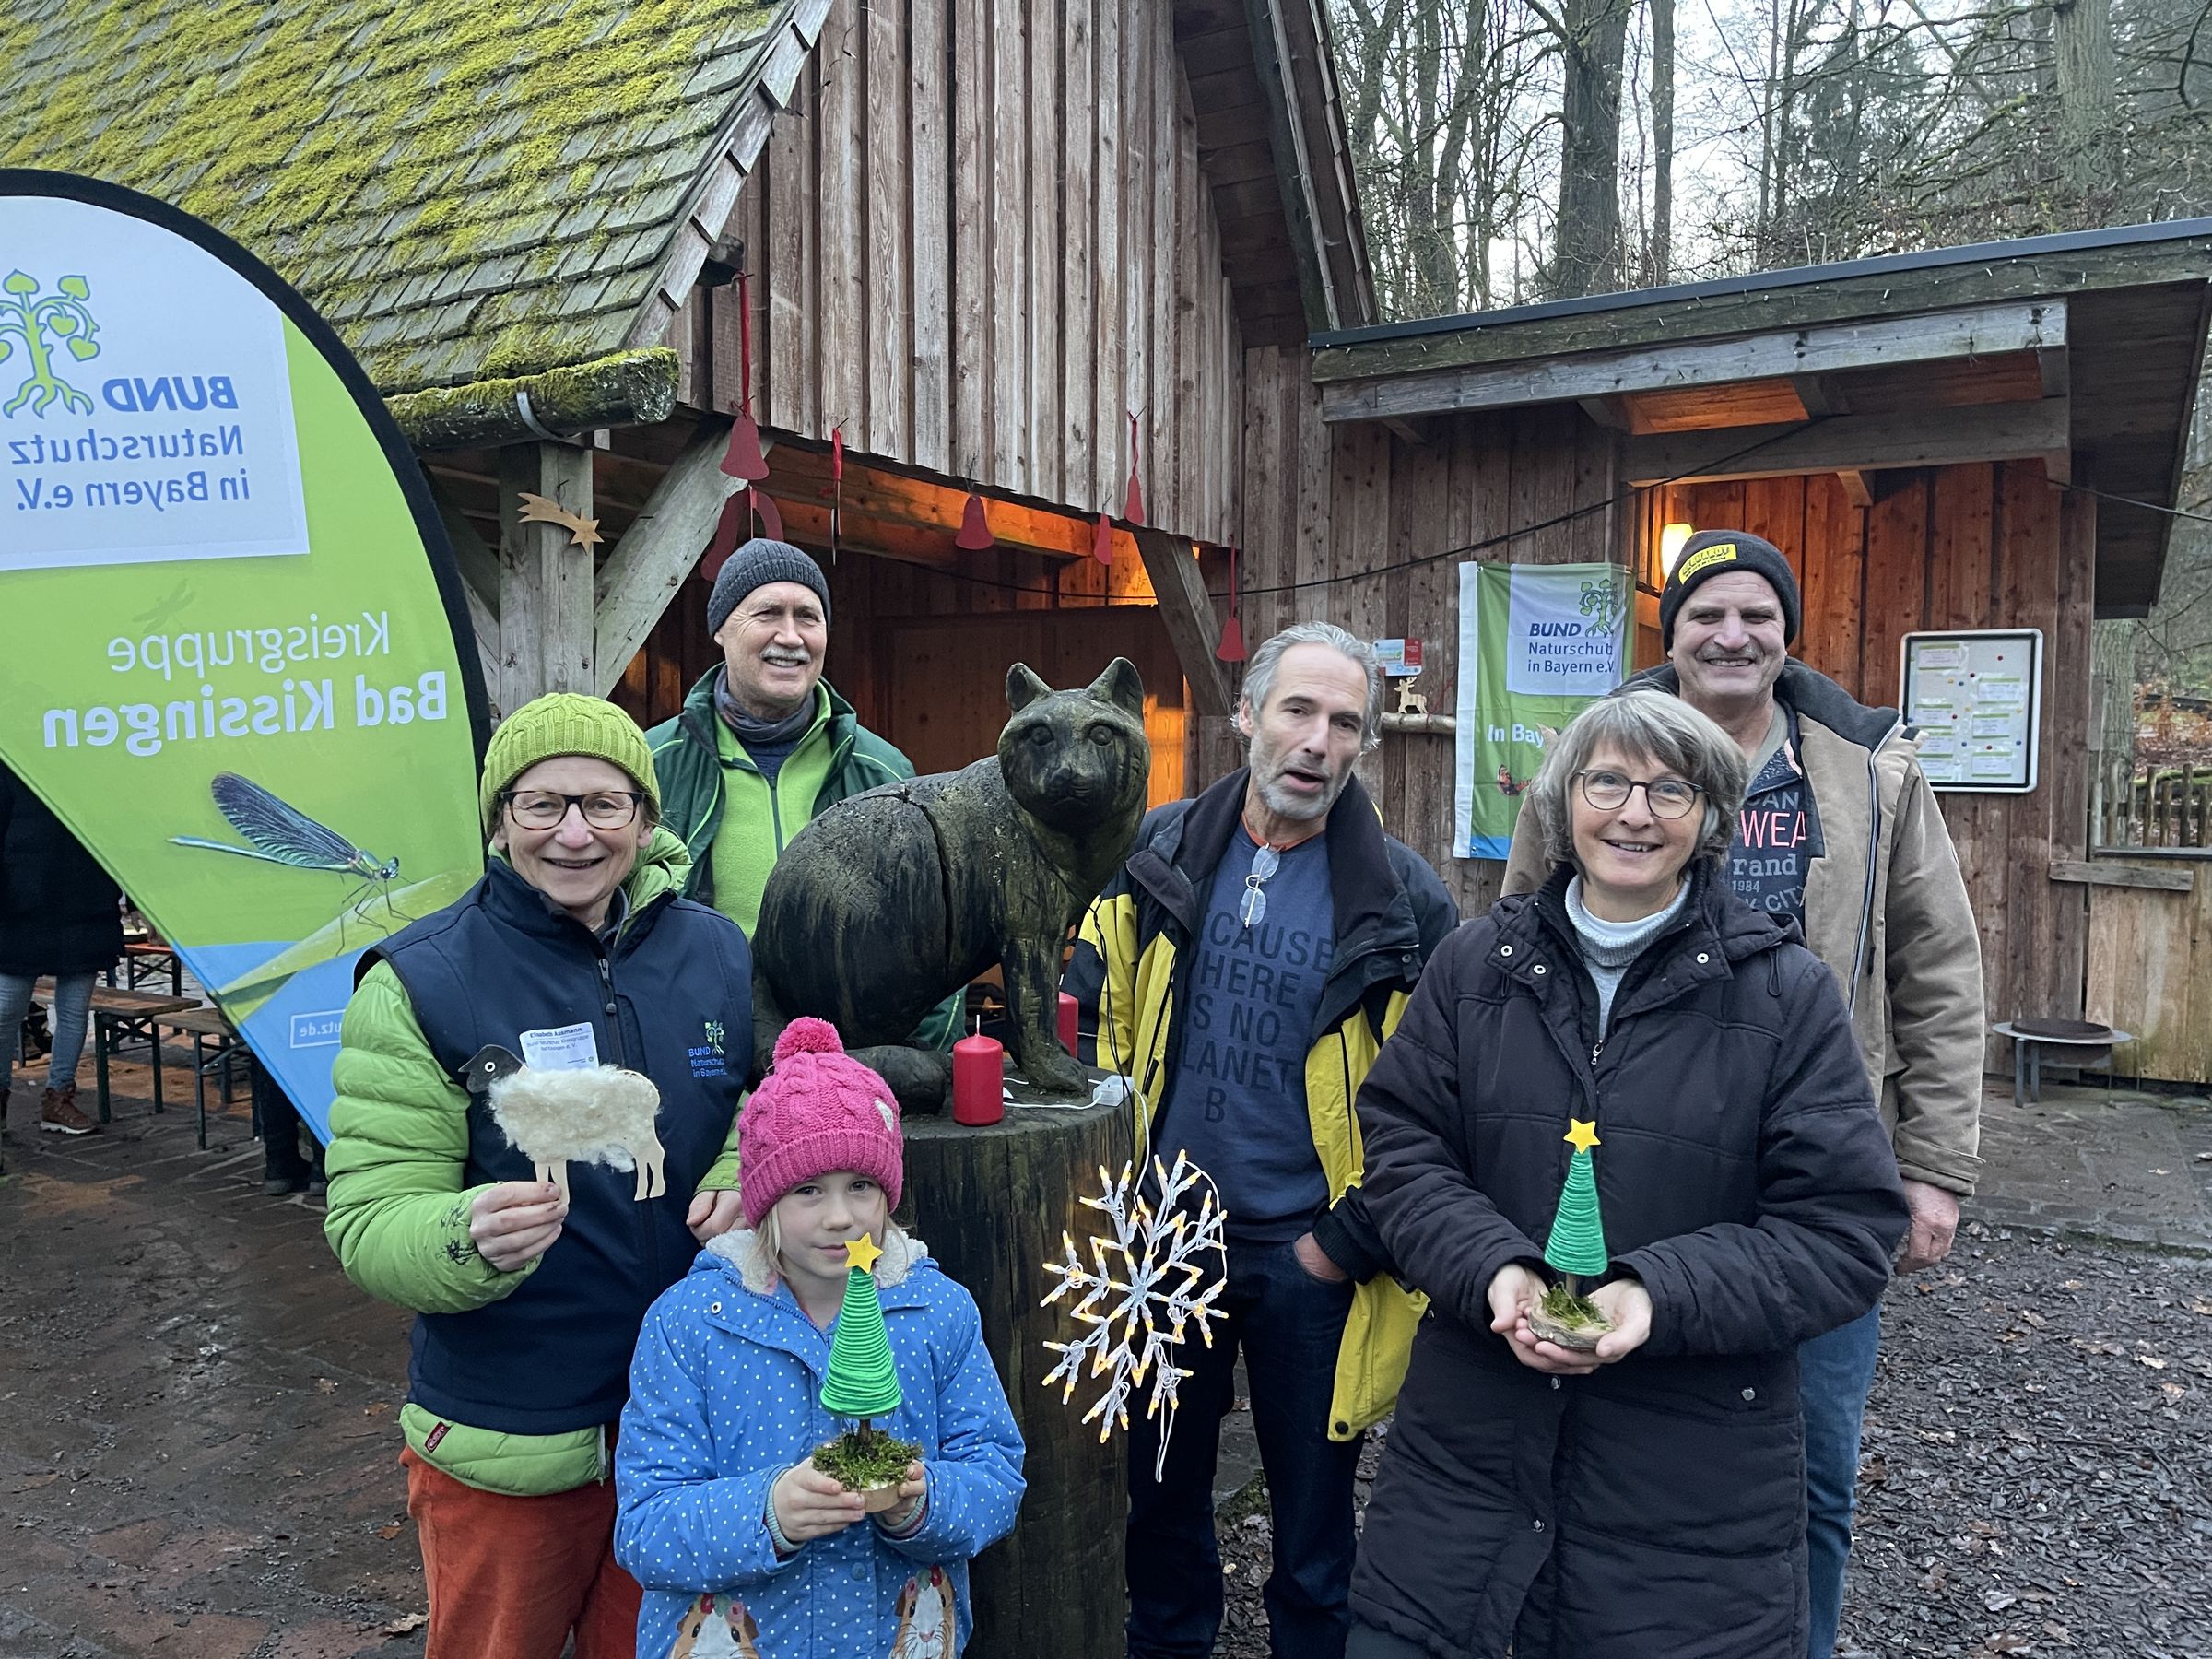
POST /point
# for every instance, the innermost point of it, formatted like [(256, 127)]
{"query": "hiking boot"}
[(59, 1112)]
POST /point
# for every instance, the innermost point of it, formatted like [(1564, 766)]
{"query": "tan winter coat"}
[(1898, 935)]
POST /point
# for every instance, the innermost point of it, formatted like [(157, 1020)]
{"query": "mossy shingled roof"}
[(464, 188)]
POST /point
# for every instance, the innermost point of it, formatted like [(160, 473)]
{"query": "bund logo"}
[(63, 317), (1602, 603)]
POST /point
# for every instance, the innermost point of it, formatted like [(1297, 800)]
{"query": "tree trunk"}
[(1588, 259), (2082, 41), (1663, 140)]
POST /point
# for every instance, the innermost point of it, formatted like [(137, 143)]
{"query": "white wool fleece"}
[(593, 1115)]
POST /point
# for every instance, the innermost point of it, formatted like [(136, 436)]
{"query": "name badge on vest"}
[(562, 1048)]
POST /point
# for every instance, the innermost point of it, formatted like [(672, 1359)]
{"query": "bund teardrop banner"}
[(235, 661)]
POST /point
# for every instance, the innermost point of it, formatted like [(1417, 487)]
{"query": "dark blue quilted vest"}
[(671, 998)]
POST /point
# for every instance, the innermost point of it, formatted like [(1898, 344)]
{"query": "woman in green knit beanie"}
[(575, 951)]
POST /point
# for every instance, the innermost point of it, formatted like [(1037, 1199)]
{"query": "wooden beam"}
[(1821, 349), (800, 475), (545, 577), (2057, 372), (1814, 393), (1612, 412), (656, 553), (2122, 875), (1187, 609), (2019, 431), (1415, 432), (1856, 490)]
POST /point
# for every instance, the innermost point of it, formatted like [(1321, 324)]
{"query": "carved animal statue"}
[(596, 1114), (1410, 700), (893, 898)]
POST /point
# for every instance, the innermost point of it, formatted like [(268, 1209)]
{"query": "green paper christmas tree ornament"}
[(862, 1384), (863, 1381), (1577, 1250)]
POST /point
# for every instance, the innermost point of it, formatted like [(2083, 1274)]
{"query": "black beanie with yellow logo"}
[(1715, 553)]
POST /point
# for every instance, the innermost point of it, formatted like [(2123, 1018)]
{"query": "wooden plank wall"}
[(1358, 526), (2150, 973), (1966, 546), (981, 240)]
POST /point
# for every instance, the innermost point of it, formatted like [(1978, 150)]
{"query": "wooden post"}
[(545, 577), (992, 1205)]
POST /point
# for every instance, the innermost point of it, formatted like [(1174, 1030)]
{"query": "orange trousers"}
[(509, 1577)]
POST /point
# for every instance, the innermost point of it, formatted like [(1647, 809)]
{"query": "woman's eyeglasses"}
[(544, 809), (1669, 797)]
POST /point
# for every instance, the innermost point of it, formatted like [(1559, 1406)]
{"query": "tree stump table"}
[(992, 1204)]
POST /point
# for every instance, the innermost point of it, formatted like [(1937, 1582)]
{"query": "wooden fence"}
[(2169, 808), (2151, 962)]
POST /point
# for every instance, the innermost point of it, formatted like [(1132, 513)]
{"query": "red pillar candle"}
[(979, 1079), (1070, 1021)]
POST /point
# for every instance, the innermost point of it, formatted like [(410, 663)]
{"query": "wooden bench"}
[(206, 1025), (118, 1015)]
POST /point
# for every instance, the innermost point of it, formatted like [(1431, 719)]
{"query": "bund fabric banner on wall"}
[(230, 660), (1537, 644)]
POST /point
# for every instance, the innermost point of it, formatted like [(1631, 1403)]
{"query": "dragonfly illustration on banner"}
[(282, 834)]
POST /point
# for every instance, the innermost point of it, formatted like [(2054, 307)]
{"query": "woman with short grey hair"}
[(1623, 1142), (1684, 742)]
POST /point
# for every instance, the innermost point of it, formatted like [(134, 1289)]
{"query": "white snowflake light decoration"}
[(1140, 1292)]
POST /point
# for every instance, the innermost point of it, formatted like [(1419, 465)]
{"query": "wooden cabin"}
[(996, 246), (1972, 438)]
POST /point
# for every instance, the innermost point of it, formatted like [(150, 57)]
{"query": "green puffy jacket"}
[(728, 815), (398, 1217)]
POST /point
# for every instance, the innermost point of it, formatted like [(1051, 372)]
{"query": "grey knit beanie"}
[(756, 564)]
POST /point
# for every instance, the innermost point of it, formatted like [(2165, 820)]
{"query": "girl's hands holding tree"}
[(1516, 1289), (810, 1505), (913, 1491)]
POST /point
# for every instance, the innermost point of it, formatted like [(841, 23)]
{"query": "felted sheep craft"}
[(598, 1114)]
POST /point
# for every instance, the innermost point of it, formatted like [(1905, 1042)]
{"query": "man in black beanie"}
[(764, 743), (1840, 832)]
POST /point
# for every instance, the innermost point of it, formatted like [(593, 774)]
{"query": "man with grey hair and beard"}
[(1241, 971)]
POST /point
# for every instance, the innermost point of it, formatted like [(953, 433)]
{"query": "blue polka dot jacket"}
[(724, 1396)]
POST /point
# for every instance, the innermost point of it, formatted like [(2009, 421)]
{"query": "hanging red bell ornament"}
[(729, 530), (743, 459), (975, 526), (1101, 540), (1133, 509), (772, 521), (1231, 648)]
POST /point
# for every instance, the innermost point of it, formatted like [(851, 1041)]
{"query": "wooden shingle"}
[(463, 188)]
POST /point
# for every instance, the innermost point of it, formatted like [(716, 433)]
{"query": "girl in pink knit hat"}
[(723, 1518)]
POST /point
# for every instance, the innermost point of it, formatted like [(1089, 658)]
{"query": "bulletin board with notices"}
[(1976, 699)]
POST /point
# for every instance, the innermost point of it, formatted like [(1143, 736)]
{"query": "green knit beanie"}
[(564, 722)]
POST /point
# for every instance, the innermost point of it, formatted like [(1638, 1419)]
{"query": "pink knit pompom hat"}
[(817, 1112)]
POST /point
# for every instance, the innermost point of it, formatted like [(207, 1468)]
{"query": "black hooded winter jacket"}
[(1657, 1506), (58, 907)]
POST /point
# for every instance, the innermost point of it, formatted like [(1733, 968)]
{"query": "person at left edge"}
[(576, 949), (1247, 1031), (763, 743)]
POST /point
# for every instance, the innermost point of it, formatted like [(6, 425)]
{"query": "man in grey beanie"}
[(764, 743)]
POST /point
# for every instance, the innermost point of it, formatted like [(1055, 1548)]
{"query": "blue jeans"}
[(72, 1011), (1288, 1325), (1834, 1373)]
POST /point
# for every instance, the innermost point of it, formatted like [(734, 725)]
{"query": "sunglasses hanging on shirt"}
[(1265, 861)]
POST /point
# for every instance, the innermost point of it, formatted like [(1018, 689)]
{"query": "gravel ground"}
[(2036, 1477)]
